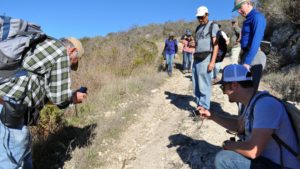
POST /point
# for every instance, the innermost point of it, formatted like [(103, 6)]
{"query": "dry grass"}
[(116, 106), (287, 83), (118, 71)]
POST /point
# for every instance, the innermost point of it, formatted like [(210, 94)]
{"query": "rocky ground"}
[(166, 136)]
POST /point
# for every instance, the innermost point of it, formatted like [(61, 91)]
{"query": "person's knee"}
[(222, 159)]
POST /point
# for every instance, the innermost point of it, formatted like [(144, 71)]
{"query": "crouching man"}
[(260, 119)]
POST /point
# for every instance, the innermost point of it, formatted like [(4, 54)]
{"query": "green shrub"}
[(51, 119)]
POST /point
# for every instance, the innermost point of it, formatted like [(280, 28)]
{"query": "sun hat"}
[(237, 4), (77, 44), (201, 11), (235, 73)]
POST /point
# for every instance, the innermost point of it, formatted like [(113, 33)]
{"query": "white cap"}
[(201, 11), (235, 73)]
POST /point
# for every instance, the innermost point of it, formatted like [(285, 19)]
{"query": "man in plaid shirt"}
[(47, 80)]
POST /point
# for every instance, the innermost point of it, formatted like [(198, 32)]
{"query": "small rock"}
[(154, 90)]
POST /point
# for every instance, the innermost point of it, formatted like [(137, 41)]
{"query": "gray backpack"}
[(17, 37)]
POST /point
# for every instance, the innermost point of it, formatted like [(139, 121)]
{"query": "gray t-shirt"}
[(204, 37), (270, 113), (234, 36)]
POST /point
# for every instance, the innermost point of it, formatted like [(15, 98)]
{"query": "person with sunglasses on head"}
[(48, 81), (187, 51), (262, 118), (206, 51), (252, 33)]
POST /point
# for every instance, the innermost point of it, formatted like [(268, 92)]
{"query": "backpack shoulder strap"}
[(252, 106), (198, 27), (211, 28), (210, 32)]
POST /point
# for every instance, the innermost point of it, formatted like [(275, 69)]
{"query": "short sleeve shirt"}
[(270, 113), (204, 37)]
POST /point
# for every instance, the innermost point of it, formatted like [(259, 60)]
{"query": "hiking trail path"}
[(165, 136)]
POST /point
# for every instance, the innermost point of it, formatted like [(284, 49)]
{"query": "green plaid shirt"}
[(51, 77)]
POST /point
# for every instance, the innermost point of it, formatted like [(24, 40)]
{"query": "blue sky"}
[(89, 18)]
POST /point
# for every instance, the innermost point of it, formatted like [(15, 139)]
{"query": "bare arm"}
[(254, 146), (229, 123), (211, 65)]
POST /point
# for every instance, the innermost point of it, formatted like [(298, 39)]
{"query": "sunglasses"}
[(201, 17), (222, 86)]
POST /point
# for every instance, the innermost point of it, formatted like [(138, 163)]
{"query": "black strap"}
[(280, 149), (40, 38), (281, 142)]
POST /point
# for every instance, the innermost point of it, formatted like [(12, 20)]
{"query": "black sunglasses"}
[(201, 17), (222, 86)]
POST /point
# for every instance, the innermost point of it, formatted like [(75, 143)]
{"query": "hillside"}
[(134, 111), (164, 135)]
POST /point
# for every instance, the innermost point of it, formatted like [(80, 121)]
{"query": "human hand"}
[(247, 66), (78, 97), (210, 67), (227, 144)]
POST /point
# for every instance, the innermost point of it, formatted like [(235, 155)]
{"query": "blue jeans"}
[(202, 82), (187, 60), (226, 159), (216, 70), (169, 61), (15, 147)]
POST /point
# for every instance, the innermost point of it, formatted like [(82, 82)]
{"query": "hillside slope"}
[(164, 135)]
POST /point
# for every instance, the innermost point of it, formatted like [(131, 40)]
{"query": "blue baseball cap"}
[(235, 73)]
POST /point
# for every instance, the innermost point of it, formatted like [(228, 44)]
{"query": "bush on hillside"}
[(280, 9), (288, 85)]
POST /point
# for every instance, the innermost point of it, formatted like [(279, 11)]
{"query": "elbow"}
[(254, 153), (253, 156)]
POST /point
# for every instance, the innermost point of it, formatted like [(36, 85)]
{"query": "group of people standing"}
[(259, 119)]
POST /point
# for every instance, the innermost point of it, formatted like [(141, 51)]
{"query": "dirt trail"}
[(165, 136)]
